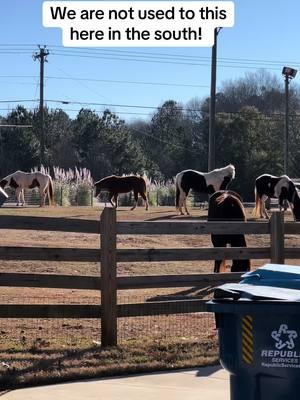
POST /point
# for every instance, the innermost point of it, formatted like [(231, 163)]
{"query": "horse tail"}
[(177, 193), (147, 186), (51, 192), (257, 208), (144, 183)]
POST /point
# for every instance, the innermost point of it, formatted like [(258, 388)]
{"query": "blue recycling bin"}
[(258, 322)]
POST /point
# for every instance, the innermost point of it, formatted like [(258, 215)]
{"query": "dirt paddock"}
[(188, 339)]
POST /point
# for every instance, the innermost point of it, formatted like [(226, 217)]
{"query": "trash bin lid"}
[(274, 275), (249, 292)]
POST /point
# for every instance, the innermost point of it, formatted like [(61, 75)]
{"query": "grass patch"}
[(38, 366)]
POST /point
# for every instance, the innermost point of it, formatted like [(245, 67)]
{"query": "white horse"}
[(20, 180), (201, 182), (270, 186)]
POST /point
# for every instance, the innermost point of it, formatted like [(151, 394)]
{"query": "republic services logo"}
[(284, 337)]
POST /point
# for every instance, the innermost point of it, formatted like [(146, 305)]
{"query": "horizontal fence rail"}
[(49, 311), (53, 224), (192, 254), (50, 281), (123, 282), (292, 228), (131, 255), (191, 228), (49, 254), (76, 311), (108, 283)]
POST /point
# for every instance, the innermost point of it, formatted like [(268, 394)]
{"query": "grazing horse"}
[(20, 180), (269, 186), (203, 182), (226, 205), (296, 205), (123, 184)]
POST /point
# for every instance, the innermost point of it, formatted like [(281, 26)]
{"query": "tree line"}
[(249, 134)]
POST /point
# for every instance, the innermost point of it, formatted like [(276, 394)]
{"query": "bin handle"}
[(251, 275)]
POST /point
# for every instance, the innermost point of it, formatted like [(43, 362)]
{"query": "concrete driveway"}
[(209, 383)]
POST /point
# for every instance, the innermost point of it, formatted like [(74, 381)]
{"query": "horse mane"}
[(229, 170), (10, 175), (220, 200)]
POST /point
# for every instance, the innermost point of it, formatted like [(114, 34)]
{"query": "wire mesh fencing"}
[(44, 350), (64, 195), (63, 332)]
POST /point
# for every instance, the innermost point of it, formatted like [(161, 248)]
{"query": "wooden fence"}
[(108, 254)]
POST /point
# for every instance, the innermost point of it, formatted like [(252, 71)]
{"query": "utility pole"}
[(212, 105), (42, 57), (286, 133), (288, 73)]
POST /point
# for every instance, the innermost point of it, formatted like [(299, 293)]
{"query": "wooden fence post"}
[(108, 234), (277, 237)]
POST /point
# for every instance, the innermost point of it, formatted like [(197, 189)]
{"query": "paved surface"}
[(204, 383)]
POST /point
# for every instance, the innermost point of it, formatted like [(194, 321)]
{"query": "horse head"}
[(102, 185), (296, 205), (97, 187), (3, 183)]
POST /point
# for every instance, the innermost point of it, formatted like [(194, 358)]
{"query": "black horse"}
[(226, 205)]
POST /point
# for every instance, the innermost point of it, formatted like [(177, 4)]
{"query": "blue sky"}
[(266, 34)]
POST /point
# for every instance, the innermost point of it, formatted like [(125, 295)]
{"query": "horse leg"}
[(184, 199), (116, 200), (144, 196), (239, 265), (136, 196), (217, 242), (185, 206), (47, 194), (42, 197), (111, 195), (23, 197), (264, 213), (181, 201), (18, 195), (217, 266), (49, 197)]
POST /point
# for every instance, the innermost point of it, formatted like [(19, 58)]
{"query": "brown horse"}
[(226, 205), (123, 184)]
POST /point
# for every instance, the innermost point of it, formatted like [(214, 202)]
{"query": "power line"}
[(130, 82), (18, 101), (219, 115), (143, 107), (17, 83), (158, 55), (100, 104), (108, 81)]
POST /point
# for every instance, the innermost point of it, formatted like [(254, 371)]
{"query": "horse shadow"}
[(196, 292), (178, 218)]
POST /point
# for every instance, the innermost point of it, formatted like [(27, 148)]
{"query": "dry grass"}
[(42, 351), (42, 366)]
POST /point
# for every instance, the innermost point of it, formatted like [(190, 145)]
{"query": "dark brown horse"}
[(226, 205), (122, 184)]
